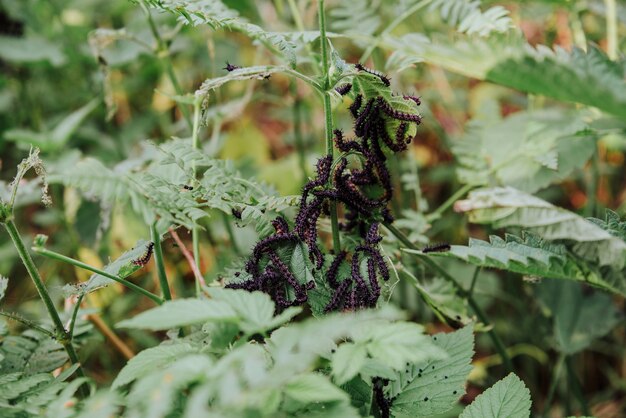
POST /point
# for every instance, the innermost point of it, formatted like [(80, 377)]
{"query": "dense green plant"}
[(319, 317)]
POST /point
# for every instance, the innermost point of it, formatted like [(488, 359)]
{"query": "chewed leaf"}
[(506, 206), (121, 267)]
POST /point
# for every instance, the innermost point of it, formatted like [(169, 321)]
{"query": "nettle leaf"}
[(179, 313), (255, 310), (612, 224), (122, 267), (148, 360), (579, 317), (259, 72), (215, 14), (159, 393), (507, 398), (30, 353), (541, 148), (590, 78), (531, 256), (432, 387), (314, 387), (467, 16), (505, 206)]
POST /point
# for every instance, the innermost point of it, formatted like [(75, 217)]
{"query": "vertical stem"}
[(195, 232), (162, 52), (553, 385), (328, 118), (611, 28), (158, 261), (575, 385), (63, 336)]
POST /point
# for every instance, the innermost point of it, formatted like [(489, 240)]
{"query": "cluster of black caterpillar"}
[(364, 193)]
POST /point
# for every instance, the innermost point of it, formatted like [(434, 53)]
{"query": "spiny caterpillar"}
[(386, 81), (231, 67), (436, 248), (143, 260), (344, 89)]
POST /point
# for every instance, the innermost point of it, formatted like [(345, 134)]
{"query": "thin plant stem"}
[(69, 260), (62, 336), (72, 323), (555, 381), (195, 231), (328, 119), (158, 261), (162, 52), (28, 323), (436, 214), (576, 386), (192, 264), (474, 278), (611, 29), (108, 333), (499, 345), (408, 12)]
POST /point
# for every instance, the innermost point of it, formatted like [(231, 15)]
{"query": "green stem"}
[(441, 209), (158, 261), (499, 345), (408, 12), (555, 380), (195, 231), (62, 335), (328, 119), (474, 278), (75, 315), (611, 29), (28, 323), (163, 53), (576, 387), (130, 285)]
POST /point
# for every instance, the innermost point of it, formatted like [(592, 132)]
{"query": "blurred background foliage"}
[(98, 78)]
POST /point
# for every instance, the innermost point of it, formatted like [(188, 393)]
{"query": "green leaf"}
[(30, 49), (505, 206), (122, 267), (579, 318), (148, 360), (179, 313), (507, 398), (255, 310), (31, 353), (432, 387), (215, 14), (398, 343), (541, 148), (347, 361), (103, 404), (314, 387), (467, 16), (530, 256)]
